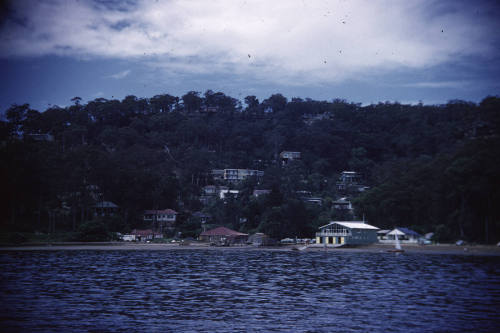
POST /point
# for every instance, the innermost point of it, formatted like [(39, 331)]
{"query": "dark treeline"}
[(431, 168)]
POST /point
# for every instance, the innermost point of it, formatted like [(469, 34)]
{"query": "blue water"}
[(247, 291)]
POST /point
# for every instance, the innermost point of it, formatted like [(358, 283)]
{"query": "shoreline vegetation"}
[(443, 249)]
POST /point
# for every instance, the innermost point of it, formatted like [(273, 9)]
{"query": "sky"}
[(363, 51)]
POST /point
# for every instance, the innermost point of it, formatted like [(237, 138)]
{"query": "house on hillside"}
[(218, 174), (223, 194), (210, 190), (313, 200), (202, 217), (338, 233), (235, 175), (350, 181), (210, 193), (160, 219), (287, 156), (223, 236), (105, 208), (342, 204), (258, 193), (40, 137), (404, 235)]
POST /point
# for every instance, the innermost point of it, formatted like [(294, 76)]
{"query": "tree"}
[(164, 103), (276, 102), (192, 101), (252, 102), (16, 114), (77, 100)]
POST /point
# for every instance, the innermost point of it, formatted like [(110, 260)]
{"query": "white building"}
[(161, 219), (241, 174), (235, 175), (337, 233), (225, 192), (128, 238), (287, 156), (404, 235), (164, 216), (342, 204)]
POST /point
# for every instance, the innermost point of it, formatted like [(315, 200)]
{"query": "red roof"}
[(222, 231), (146, 232)]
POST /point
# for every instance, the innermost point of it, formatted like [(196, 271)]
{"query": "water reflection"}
[(235, 290)]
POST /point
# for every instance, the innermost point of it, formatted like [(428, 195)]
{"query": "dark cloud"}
[(120, 25), (12, 13), (116, 5), (487, 11), (443, 45)]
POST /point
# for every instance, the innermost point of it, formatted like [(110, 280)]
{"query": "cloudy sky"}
[(363, 51)]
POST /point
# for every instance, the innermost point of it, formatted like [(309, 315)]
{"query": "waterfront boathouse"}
[(337, 233), (223, 236)]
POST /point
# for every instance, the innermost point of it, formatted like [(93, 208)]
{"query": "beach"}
[(482, 250)]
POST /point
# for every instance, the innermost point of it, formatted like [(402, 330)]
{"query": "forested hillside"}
[(431, 168)]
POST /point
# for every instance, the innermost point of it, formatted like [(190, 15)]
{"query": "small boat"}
[(301, 248), (397, 248)]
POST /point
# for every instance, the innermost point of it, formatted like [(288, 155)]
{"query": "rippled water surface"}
[(248, 291)]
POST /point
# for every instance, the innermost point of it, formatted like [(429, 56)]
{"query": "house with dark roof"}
[(223, 236), (404, 235), (105, 208)]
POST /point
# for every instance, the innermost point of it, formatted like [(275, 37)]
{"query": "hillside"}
[(430, 167)]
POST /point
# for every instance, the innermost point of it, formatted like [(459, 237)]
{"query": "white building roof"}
[(396, 232), (404, 231), (352, 225)]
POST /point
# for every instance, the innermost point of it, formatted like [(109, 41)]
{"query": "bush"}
[(93, 231), (442, 234), (17, 238)]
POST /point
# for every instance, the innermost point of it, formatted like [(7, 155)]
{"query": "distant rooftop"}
[(105, 204), (352, 225), (222, 231)]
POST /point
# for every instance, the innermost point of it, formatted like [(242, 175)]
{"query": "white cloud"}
[(284, 41), (120, 75), (438, 84)]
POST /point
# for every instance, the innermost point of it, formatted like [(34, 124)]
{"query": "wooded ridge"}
[(433, 168)]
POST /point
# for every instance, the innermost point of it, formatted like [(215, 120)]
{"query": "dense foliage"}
[(432, 168)]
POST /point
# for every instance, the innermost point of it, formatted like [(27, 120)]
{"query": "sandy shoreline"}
[(485, 250)]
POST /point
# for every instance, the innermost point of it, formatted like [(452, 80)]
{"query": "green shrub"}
[(93, 231)]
